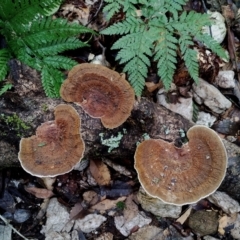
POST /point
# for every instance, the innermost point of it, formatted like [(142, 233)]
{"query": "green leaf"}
[(5, 87), (4, 58)]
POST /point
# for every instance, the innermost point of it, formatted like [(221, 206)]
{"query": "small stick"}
[(14, 229)]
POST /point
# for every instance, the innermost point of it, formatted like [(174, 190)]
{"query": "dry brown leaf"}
[(107, 204), (226, 221), (100, 172), (151, 86), (131, 209), (184, 216), (39, 192), (78, 212), (91, 197)]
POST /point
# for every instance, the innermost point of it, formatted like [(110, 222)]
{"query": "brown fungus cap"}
[(57, 146), (101, 92), (182, 175)]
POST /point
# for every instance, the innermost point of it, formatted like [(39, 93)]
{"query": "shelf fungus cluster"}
[(182, 175), (57, 146), (101, 92)]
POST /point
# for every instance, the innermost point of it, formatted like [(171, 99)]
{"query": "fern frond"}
[(24, 55), (191, 62), (212, 44), (113, 7), (58, 45), (51, 81), (22, 12), (59, 62), (45, 30), (5, 87), (135, 51), (166, 55), (137, 73), (4, 58), (130, 25)]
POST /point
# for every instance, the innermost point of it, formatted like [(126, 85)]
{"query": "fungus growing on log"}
[(57, 146), (101, 92), (182, 175)]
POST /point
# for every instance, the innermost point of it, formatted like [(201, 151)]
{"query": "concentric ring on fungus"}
[(182, 175), (101, 92)]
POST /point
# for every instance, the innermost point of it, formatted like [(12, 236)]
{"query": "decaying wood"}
[(147, 118)]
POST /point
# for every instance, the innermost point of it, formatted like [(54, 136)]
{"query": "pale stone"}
[(148, 232), (207, 94), (225, 79), (184, 106), (125, 227), (57, 236), (57, 218), (235, 232), (218, 27), (89, 223), (156, 206), (226, 203), (205, 119)]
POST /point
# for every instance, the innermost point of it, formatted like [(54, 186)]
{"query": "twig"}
[(100, 6), (14, 229)]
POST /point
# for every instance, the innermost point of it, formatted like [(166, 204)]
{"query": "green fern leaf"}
[(135, 52), (46, 30), (166, 55), (113, 7), (212, 44), (130, 25), (5, 88), (4, 58), (58, 45), (59, 62), (20, 12), (51, 81)]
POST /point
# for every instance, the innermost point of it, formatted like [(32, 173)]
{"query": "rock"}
[(57, 219), (156, 206), (210, 238), (21, 215), (205, 119), (125, 227), (58, 236), (184, 106), (204, 222), (235, 232), (226, 203), (218, 27), (225, 79), (148, 232), (105, 236), (89, 223), (5, 232), (207, 94)]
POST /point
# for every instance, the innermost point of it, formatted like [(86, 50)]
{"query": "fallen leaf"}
[(184, 216), (39, 192), (91, 197), (78, 212), (107, 204), (100, 172), (130, 210)]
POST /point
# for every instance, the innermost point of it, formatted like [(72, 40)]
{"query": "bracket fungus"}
[(182, 175), (101, 92), (57, 146)]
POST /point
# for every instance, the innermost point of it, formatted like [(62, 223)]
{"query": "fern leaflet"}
[(4, 57)]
